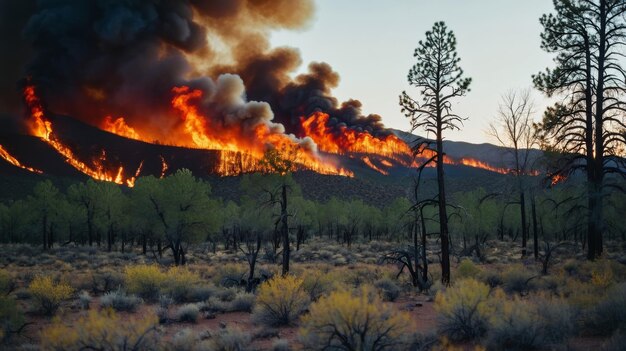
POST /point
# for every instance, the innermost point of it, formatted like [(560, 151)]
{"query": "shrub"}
[(609, 314), (84, 300), (7, 283), (228, 340), (464, 310), (201, 293), (188, 313), (180, 282), (144, 280), (527, 324), (517, 280), (106, 281), (230, 275), (184, 340), (11, 317), (361, 321), (467, 269), (48, 295), (280, 301), (101, 331), (243, 302), (390, 291), (281, 345), (317, 283), (119, 301), (491, 278)]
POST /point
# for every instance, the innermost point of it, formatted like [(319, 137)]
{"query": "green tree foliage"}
[(181, 208)]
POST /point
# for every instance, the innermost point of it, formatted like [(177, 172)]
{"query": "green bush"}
[(280, 301)]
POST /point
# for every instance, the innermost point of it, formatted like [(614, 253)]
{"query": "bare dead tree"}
[(513, 128)]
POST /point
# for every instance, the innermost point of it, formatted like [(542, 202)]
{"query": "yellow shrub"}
[(144, 280), (602, 275), (101, 331), (356, 322), (179, 282), (317, 283), (49, 295), (467, 269), (464, 310), (6, 282), (280, 301)]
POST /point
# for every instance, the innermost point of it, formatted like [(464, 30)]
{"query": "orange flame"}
[(349, 140), (119, 127), (14, 161), (557, 178), (241, 153), (42, 127), (352, 141)]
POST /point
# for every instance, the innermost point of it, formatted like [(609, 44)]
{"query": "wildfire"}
[(42, 127), (347, 140), (242, 153), (14, 161), (119, 127), (243, 148)]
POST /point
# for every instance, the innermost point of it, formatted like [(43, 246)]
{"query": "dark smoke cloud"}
[(122, 58)]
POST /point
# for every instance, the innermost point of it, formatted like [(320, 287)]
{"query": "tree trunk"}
[(443, 214), (44, 229), (535, 229), (424, 259), (285, 229), (522, 201)]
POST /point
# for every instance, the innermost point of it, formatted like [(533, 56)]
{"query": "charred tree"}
[(588, 127), (440, 80)]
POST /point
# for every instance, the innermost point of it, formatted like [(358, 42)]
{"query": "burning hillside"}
[(194, 74)]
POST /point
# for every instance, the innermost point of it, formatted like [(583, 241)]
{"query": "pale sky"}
[(370, 43)]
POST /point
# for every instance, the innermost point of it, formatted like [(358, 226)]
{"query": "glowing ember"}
[(557, 178), (119, 127), (12, 160), (42, 127), (370, 164), (164, 167)]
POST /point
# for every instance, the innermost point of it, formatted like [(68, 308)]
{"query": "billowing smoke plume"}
[(90, 59)]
